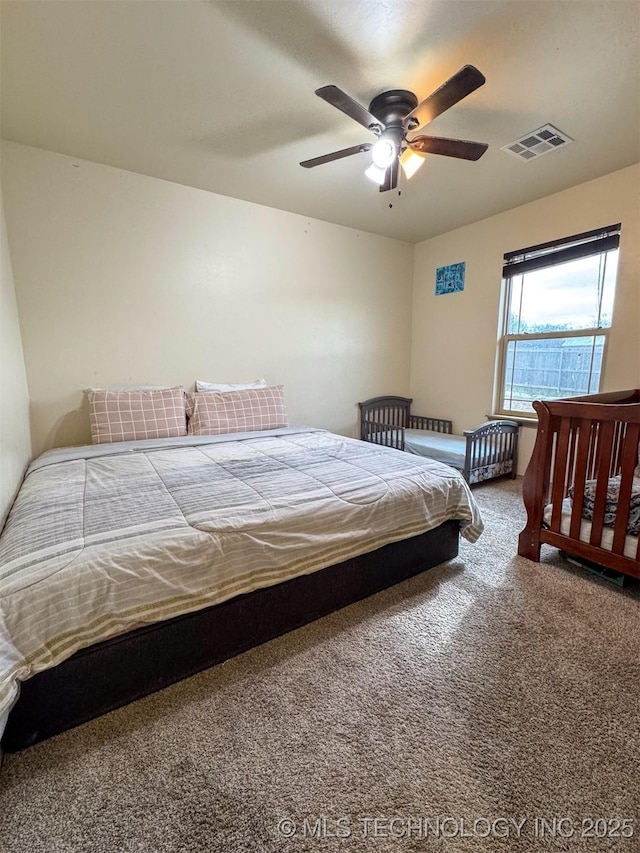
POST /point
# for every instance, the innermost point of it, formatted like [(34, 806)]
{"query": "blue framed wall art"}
[(450, 279)]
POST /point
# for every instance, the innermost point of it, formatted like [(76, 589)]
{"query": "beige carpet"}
[(460, 709)]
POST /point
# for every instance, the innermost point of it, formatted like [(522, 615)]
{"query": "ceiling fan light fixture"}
[(376, 174), (410, 162), (383, 153)]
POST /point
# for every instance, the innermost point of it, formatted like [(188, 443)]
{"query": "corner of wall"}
[(15, 435)]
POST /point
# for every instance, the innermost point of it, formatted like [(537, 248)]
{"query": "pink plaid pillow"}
[(238, 411), (134, 415)]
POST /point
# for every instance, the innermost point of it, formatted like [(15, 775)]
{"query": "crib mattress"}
[(440, 446)]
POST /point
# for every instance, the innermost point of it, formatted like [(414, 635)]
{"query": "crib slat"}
[(573, 439), (585, 428), (559, 486), (493, 453), (614, 462), (621, 431), (593, 445), (602, 461), (628, 458)]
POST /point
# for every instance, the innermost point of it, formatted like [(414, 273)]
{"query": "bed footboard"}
[(577, 489)]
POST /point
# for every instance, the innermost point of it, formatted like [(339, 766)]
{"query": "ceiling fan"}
[(394, 114)]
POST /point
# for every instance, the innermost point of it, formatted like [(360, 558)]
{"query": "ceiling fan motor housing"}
[(392, 107)]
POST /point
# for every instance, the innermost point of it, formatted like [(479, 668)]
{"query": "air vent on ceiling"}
[(538, 142)]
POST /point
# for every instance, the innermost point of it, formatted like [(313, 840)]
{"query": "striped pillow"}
[(218, 413), (135, 415)]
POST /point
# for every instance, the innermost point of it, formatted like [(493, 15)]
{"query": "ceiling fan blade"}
[(336, 155), (460, 148), (463, 82), (339, 99), (391, 178)]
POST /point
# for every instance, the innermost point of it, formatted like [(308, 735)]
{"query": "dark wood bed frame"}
[(383, 420), (113, 673), (582, 438)]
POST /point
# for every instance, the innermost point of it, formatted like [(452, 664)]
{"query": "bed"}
[(581, 489), (483, 453), (126, 566)]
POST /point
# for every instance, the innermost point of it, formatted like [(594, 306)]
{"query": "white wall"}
[(454, 336), (15, 443), (123, 279)]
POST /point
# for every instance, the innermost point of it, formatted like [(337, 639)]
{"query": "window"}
[(558, 302)]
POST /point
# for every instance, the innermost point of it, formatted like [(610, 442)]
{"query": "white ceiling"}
[(220, 95)]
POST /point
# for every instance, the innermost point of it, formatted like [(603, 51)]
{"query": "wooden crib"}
[(579, 489), (484, 453)]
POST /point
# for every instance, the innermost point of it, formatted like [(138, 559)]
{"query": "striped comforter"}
[(103, 539)]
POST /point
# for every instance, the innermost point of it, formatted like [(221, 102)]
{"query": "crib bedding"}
[(611, 507), (611, 503), (606, 542), (105, 538)]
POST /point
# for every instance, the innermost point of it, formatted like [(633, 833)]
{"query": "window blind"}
[(560, 251)]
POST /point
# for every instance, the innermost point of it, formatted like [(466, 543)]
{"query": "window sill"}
[(522, 420)]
